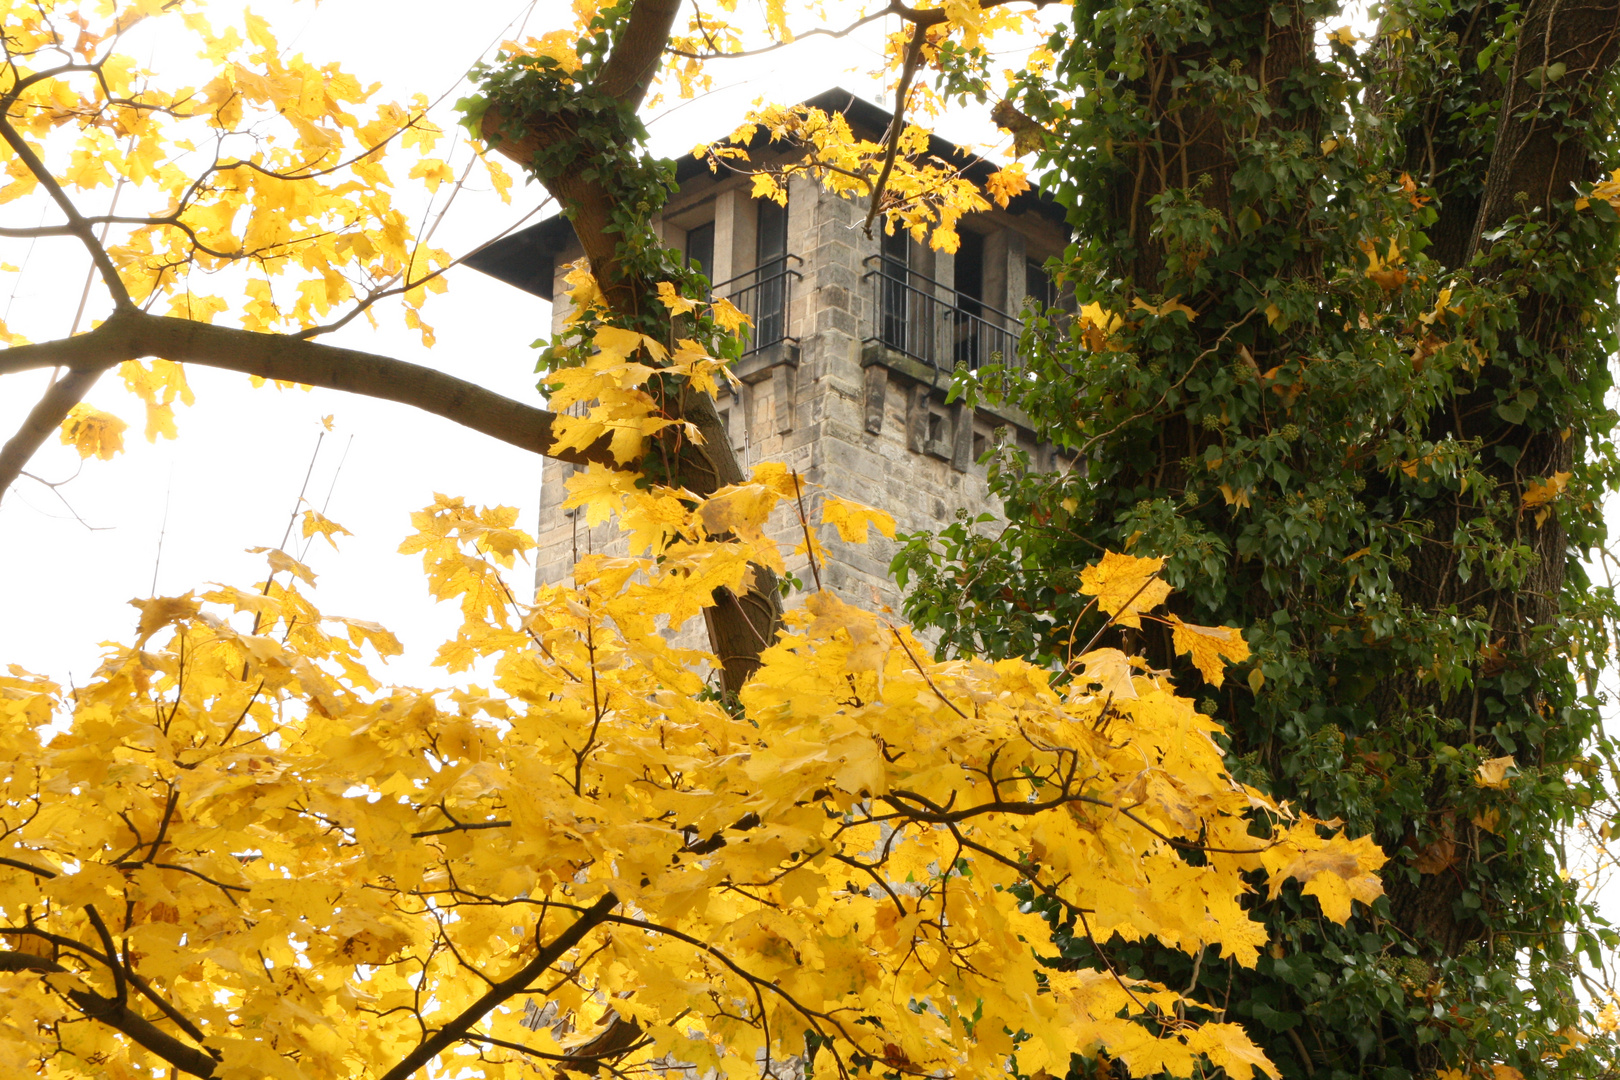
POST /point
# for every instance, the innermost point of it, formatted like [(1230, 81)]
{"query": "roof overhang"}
[(528, 258)]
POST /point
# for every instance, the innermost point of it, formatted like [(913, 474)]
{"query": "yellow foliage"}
[(1161, 310), (312, 869), (1210, 647), (1540, 493), (236, 837), (1493, 773), (1125, 586), (851, 519), (922, 195), (93, 433)]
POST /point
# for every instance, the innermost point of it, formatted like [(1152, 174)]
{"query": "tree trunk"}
[(740, 627)]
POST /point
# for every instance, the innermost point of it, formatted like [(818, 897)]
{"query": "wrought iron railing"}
[(765, 295), (920, 318)]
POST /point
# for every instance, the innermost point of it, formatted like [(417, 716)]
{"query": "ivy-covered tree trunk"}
[(1379, 443), (578, 133)]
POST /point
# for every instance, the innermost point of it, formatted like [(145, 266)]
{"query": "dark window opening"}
[(700, 249), (770, 252), (1038, 285), (970, 299), (895, 271)]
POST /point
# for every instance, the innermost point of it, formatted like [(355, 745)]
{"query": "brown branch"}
[(820, 31), (76, 221), (38, 871), (897, 123), (118, 1016), (44, 418), (452, 1032), (637, 54), (130, 335)]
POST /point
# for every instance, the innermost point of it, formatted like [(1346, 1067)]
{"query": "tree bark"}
[(740, 627), (1538, 160), (129, 334)]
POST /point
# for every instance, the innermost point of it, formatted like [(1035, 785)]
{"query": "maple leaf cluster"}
[(271, 182), (236, 853)]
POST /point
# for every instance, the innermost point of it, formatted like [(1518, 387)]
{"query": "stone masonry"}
[(853, 394)]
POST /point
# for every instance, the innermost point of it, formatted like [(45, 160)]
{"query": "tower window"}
[(700, 249)]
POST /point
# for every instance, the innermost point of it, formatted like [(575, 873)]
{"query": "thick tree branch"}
[(639, 51), (740, 627), (131, 335), (45, 418), (452, 1032), (198, 1062), (1535, 161), (118, 1016)]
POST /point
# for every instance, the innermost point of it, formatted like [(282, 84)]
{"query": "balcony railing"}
[(920, 318), (765, 294)]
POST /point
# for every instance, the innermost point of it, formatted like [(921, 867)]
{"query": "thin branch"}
[(118, 1016), (456, 1029), (809, 542), (820, 31), (37, 871), (76, 221), (897, 124), (54, 485)]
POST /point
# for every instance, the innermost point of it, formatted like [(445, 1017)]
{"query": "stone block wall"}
[(855, 419)]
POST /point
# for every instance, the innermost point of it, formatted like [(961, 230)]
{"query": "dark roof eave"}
[(527, 259)]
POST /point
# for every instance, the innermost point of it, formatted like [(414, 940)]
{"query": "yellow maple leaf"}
[(1493, 773), (1538, 494), (615, 344), (1125, 586), (600, 489), (279, 561), (160, 611), (1110, 671), (741, 509), (1004, 184), (93, 433), (851, 519), (1098, 326), (1161, 310), (584, 294), (766, 186), (1210, 647), (1334, 871), (316, 522), (670, 298), (726, 314)]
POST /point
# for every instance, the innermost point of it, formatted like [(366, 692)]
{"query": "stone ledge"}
[(876, 354), (756, 367)]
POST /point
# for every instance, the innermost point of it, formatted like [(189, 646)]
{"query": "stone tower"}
[(852, 350)]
